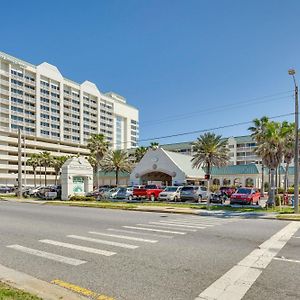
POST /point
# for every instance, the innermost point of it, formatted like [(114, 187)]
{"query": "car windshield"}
[(187, 188), (150, 186), (171, 189), (244, 191), (122, 190)]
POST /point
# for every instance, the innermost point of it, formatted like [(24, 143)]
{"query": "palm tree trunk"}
[(45, 175), (40, 175), (271, 200), (34, 177), (262, 180), (117, 176), (286, 177), (55, 178), (208, 186), (97, 174)]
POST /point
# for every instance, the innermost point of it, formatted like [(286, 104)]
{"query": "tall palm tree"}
[(46, 160), (98, 147), (139, 153), (57, 162), (257, 134), (154, 145), (271, 149), (116, 161), (34, 162), (210, 151)]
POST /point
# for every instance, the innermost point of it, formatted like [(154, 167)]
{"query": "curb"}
[(40, 288)]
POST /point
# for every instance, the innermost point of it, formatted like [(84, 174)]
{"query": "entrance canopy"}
[(165, 167)]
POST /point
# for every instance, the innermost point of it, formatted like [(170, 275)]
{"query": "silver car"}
[(194, 193), (170, 193)]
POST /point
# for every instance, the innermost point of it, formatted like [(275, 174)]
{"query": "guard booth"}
[(76, 178)]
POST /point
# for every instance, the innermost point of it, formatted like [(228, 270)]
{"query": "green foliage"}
[(280, 190), (278, 200), (214, 188), (82, 198), (10, 293)]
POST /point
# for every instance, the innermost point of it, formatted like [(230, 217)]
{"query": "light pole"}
[(292, 72)]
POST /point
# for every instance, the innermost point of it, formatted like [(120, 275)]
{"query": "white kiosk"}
[(76, 178)]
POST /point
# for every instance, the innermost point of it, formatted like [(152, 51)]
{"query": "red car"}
[(245, 195), (150, 192)]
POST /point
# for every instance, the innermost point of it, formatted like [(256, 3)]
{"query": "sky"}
[(187, 65)]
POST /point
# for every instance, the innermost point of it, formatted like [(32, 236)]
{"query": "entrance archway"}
[(156, 177), (249, 182)]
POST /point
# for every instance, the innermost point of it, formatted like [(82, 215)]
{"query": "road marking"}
[(168, 227), (125, 237), (77, 247), (59, 258), (237, 281), (141, 233), (80, 290), (296, 237), (194, 223), (150, 229), (176, 225), (202, 221), (104, 242), (287, 260)]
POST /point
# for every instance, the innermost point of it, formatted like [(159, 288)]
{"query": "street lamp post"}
[(292, 72)]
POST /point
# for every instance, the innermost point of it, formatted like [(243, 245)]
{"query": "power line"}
[(220, 108), (208, 129)]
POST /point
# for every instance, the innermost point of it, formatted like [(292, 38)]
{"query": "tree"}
[(34, 162), (257, 134), (98, 147), (116, 161), (45, 161), (154, 145), (57, 162), (271, 147), (210, 151), (139, 153)]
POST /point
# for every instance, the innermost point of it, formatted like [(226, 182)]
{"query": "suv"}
[(195, 193)]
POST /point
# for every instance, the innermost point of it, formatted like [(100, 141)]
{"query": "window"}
[(53, 118), (16, 100), (28, 129), (14, 126), (45, 100), (45, 124), (16, 91), (44, 116), (17, 109), (29, 121), (55, 134), (43, 107), (17, 82), (55, 110), (17, 118), (55, 126), (45, 92), (28, 112), (44, 132)]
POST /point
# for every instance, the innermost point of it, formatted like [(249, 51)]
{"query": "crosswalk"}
[(128, 236)]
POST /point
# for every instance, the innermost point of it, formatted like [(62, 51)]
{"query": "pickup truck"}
[(150, 191)]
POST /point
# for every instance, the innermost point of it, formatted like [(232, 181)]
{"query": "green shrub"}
[(280, 190), (82, 198), (278, 200), (213, 188)]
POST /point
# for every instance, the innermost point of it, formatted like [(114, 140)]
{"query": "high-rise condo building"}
[(55, 114)]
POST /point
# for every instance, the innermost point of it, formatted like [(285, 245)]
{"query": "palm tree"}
[(57, 162), (210, 151), (46, 160), (257, 134), (154, 145), (34, 162), (116, 161), (139, 153), (98, 147), (271, 145)]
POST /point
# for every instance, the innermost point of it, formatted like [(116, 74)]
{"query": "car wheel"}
[(130, 197), (257, 203), (175, 199), (152, 198)]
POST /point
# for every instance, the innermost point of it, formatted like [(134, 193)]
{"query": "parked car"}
[(218, 197), (124, 193), (194, 193), (170, 193), (227, 190), (5, 189), (245, 195), (150, 191)]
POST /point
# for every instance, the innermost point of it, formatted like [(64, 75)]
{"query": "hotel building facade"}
[(55, 114)]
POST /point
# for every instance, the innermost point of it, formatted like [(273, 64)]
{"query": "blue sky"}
[(186, 65)]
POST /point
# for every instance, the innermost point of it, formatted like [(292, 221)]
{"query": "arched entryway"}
[(237, 182), (156, 177), (249, 182), (216, 181), (226, 182)]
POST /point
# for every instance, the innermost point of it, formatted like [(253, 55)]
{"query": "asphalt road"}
[(185, 257)]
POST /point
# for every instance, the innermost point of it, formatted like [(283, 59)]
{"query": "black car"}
[(5, 189)]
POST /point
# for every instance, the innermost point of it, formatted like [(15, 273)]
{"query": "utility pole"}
[(20, 192), (292, 72)]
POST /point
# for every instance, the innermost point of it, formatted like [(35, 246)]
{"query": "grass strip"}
[(9, 293)]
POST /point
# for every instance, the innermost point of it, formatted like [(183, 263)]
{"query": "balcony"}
[(4, 92), (5, 73)]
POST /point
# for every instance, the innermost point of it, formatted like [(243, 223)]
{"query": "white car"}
[(170, 193)]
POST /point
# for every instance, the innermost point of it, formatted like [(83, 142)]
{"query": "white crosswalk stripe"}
[(125, 237), (51, 256), (141, 233), (77, 247), (104, 242), (176, 225), (167, 227), (150, 229), (189, 223)]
